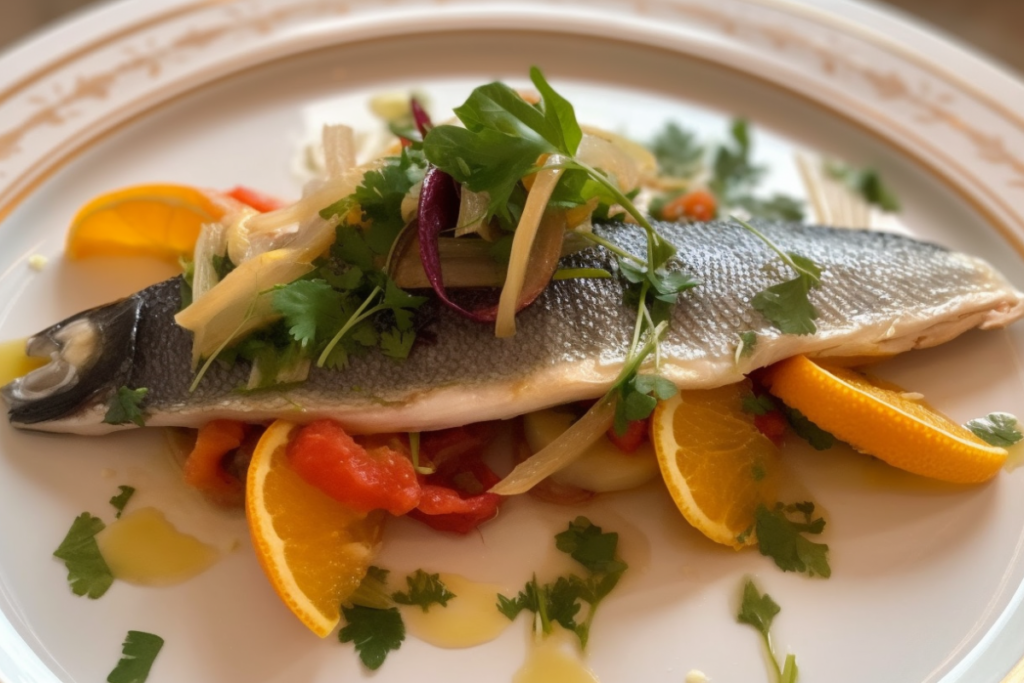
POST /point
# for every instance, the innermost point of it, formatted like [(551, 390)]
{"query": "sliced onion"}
[(560, 452), (600, 153), (522, 245), (550, 490), (212, 242), (241, 302), (472, 209), (339, 150)]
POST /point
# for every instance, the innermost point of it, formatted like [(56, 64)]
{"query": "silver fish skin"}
[(880, 294)]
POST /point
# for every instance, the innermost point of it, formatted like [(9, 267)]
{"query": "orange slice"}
[(162, 221), (882, 420), (314, 550), (716, 464)]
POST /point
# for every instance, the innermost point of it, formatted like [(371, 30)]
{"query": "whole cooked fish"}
[(880, 294)]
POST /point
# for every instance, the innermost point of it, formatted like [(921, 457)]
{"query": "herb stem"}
[(614, 248), (786, 258), (638, 327), (352, 322)]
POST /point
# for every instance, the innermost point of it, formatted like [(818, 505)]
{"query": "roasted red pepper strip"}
[(255, 199), (455, 497), (364, 479), (773, 425), (636, 434)]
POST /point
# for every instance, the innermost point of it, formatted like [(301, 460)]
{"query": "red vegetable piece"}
[(773, 425), (324, 455), (697, 205), (455, 497), (255, 199), (420, 116), (636, 434)]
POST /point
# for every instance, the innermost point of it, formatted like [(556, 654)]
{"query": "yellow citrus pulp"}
[(717, 466), (162, 221), (314, 550), (882, 420)]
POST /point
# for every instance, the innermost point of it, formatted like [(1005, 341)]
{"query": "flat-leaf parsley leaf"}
[(996, 429), (88, 572), (138, 653)]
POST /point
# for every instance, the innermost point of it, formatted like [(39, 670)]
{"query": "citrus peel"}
[(883, 420)]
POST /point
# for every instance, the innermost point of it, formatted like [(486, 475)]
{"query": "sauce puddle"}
[(145, 549), (554, 659), (471, 617)]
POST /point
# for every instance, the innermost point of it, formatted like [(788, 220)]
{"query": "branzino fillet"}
[(880, 294)]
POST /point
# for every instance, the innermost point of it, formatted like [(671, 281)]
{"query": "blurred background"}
[(992, 27)]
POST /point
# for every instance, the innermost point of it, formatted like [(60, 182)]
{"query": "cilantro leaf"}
[(677, 152), (372, 591), (137, 655), (397, 343), (380, 197), (779, 537), (996, 429), (527, 599), (126, 407), (120, 500), (351, 247), (816, 436), (734, 178), (756, 609), (312, 310), (563, 603), (759, 611), (787, 306), (866, 182), (635, 399), (374, 632), (88, 572), (586, 543), (424, 590), (758, 405), (748, 342)]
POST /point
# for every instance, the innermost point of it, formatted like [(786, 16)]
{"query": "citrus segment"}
[(883, 420), (162, 221), (716, 464), (314, 549)]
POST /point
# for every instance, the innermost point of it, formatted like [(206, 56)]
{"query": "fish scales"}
[(880, 293)]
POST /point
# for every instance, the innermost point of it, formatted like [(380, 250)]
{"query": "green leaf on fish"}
[(138, 653), (996, 429), (127, 407), (88, 573)]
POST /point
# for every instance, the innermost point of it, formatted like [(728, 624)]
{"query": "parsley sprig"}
[(779, 536), (88, 573), (127, 406), (759, 610), (996, 429), (424, 590), (138, 653), (561, 601), (786, 305)]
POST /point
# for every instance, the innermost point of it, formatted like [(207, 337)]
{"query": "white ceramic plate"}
[(927, 580)]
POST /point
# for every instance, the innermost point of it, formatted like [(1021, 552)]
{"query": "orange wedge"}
[(716, 464), (314, 550), (162, 221), (882, 420)]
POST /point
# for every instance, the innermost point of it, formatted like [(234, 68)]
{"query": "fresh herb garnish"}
[(734, 178), (866, 182), (779, 537), (816, 436), (786, 305), (222, 265), (88, 573), (678, 153), (188, 273), (560, 602), (758, 405), (374, 632), (126, 407), (996, 429), (373, 590), (424, 590), (120, 500), (137, 655), (759, 611)]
